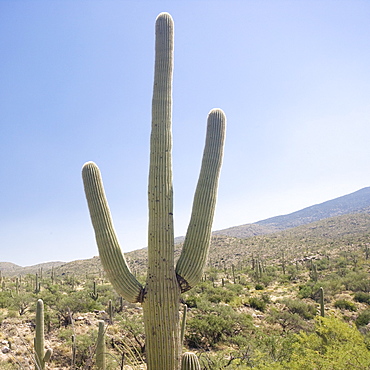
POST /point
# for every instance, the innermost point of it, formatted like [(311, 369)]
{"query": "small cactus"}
[(37, 284), (94, 294), (321, 299), (110, 312), (41, 356), (190, 361), (73, 361)]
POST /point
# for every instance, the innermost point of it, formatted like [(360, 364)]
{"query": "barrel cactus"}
[(160, 296)]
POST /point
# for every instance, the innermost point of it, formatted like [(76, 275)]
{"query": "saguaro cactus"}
[(101, 347), (321, 300), (160, 297), (41, 356), (94, 294)]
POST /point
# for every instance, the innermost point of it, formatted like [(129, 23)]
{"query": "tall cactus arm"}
[(114, 262), (194, 255), (160, 194)]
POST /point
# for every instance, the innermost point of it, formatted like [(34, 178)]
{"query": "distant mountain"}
[(11, 269), (8, 267), (357, 202)]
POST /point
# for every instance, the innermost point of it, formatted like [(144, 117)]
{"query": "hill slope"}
[(357, 202)]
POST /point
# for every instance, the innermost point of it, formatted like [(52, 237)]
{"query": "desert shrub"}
[(134, 336), (72, 303), (267, 278), (219, 294), (308, 290), (21, 303), (191, 301), (257, 303), (207, 292), (214, 324), (5, 299), (332, 345), (273, 347), (50, 296), (288, 321), (357, 281), (259, 286), (235, 288), (345, 305), (331, 286), (303, 309), (266, 297), (362, 297), (363, 318), (292, 272)]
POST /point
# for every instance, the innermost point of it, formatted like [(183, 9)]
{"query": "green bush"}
[(345, 305), (303, 309), (213, 324), (289, 322), (258, 304), (363, 318), (357, 281), (333, 345), (362, 297)]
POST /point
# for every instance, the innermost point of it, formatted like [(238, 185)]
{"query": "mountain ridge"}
[(356, 202), (353, 203)]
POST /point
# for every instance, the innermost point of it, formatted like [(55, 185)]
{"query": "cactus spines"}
[(100, 347), (160, 297), (190, 361), (41, 356)]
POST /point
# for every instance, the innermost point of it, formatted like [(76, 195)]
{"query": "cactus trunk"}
[(161, 306), (41, 357), (160, 297), (100, 347)]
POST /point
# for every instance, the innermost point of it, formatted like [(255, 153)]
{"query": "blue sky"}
[(76, 80)]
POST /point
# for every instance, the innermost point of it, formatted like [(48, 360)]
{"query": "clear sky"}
[(76, 78)]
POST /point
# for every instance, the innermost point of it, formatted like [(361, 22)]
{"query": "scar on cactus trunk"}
[(160, 297)]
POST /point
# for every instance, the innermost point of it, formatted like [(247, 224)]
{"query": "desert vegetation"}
[(259, 309)]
